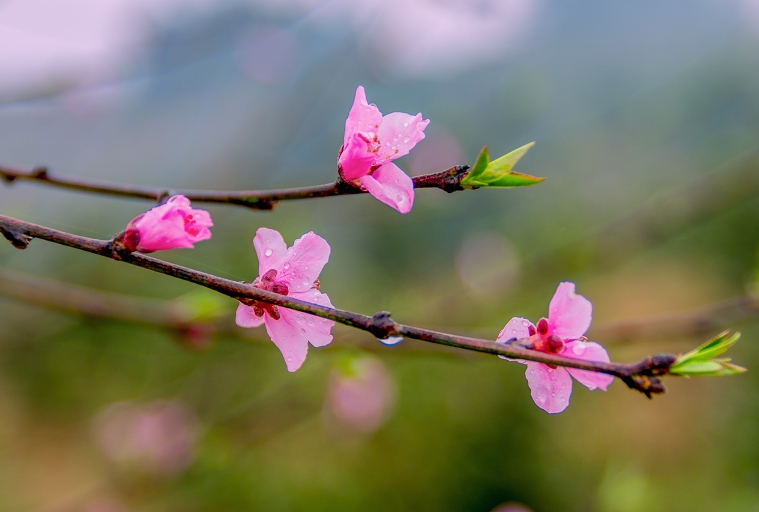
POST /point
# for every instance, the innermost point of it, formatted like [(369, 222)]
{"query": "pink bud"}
[(172, 225)]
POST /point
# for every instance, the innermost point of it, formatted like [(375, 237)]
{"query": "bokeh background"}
[(646, 117)]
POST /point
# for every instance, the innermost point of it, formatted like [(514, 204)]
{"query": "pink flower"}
[(370, 145), (292, 272), (172, 225), (569, 316)]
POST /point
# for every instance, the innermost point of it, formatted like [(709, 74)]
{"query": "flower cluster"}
[(371, 143)]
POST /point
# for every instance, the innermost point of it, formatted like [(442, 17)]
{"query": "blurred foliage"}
[(646, 121)]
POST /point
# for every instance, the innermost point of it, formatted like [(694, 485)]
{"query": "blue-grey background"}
[(645, 116)]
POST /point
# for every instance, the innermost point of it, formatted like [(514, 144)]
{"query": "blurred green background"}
[(646, 117)]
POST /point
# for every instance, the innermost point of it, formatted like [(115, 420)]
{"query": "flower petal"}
[(318, 330), (392, 186), (286, 335), (362, 117), (588, 351), (517, 327), (356, 158), (569, 314), (270, 248), (550, 387), (399, 133), (245, 317), (304, 262), (172, 225)]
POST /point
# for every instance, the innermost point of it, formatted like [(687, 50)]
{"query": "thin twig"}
[(172, 315), (641, 375), (689, 322), (448, 180)]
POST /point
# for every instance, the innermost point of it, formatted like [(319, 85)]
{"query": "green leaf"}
[(711, 348), (498, 173), (702, 360), (718, 367)]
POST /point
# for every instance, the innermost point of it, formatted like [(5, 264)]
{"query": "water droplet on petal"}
[(302, 331), (399, 199), (267, 252), (391, 340), (541, 393), (405, 124), (525, 323), (300, 318), (578, 348), (562, 399), (305, 268), (405, 140), (287, 265), (310, 321)]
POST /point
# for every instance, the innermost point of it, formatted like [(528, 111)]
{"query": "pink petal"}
[(550, 387), (287, 336), (303, 262), (270, 248), (162, 231), (357, 157), (172, 225), (589, 351), (392, 186), (517, 327), (362, 117), (398, 134), (318, 330), (245, 317), (569, 314)]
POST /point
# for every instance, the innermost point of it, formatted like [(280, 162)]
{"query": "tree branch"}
[(448, 180), (689, 322), (641, 376)]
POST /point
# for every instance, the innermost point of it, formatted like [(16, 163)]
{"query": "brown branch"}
[(641, 376), (689, 322), (448, 180)]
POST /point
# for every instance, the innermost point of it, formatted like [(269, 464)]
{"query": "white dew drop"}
[(310, 321), (405, 125), (287, 265), (542, 393), (578, 348), (525, 323), (300, 318), (391, 340), (267, 252), (406, 139)]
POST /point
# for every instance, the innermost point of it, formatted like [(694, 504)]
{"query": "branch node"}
[(40, 173), (647, 385), (382, 326), (18, 239)]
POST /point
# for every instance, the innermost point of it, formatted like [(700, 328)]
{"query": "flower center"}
[(267, 282), (543, 341), (189, 225)]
